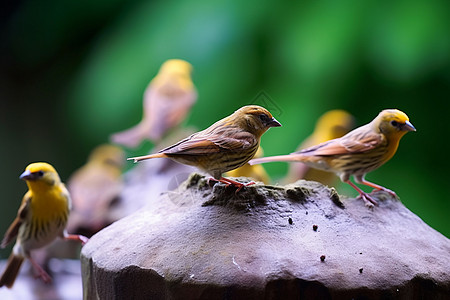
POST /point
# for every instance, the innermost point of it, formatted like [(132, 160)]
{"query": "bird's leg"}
[(366, 197), (212, 179), (75, 237), (378, 187), (239, 185), (40, 272)]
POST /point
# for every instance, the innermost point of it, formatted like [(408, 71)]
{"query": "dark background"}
[(73, 72)]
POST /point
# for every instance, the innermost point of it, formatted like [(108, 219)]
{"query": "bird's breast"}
[(49, 205)]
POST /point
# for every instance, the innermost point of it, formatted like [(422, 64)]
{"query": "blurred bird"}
[(95, 188), (167, 101), (224, 146), (41, 218), (360, 151), (331, 125), (255, 172)]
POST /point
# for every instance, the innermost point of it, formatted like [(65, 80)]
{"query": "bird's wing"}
[(166, 106), (205, 142), (354, 142), (13, 229), (183, 103)]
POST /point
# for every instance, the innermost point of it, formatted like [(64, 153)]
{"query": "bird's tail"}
[(11, 271), (139, 158), (131, 137), (289, 157)]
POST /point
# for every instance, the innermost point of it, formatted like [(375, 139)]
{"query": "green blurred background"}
[(73, 72)]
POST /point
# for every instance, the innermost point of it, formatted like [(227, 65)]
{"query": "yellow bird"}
[(357, 153), (95, 188), (331, 125), (167, 101), (255, 172), (41, 218)]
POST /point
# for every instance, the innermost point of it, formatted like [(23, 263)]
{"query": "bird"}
[(255, 172), (224, 146), (332, 124), (95, 188), (357, 153), (167, 100), (41, 218)]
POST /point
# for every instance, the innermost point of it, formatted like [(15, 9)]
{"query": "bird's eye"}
[(394, 123), (40, 173), (264, 118)]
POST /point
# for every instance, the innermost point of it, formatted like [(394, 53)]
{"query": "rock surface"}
[(300, 241)]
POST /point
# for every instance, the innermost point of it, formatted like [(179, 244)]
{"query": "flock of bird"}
[(230, 146)]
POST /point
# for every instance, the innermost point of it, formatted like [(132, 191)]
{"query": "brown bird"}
[(358, 152), (226, 145), (167, 101), (331, 125), (95, 188), (41, 218)]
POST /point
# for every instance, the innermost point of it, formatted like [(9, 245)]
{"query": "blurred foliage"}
[(73, 72)]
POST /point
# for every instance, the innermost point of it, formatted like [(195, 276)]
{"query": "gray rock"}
[(300, 241)]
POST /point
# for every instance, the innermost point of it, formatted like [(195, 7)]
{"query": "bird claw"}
[(83, 240), (44, 276), (40, 272), (244, 185), (77, 237), (368, 204), (212, 181), (368, 200), (390, 192), (234, 183)]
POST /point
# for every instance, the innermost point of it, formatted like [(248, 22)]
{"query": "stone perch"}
[(300, 241)]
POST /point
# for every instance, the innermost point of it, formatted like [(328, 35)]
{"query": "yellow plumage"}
[(167, 102), (47, 200), (357, 153), (41, 218)]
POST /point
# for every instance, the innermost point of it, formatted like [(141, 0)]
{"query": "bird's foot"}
[(40, 272), (368, 200), (390, 192), (234, 183), (379, 188), (75, 237), (44, 276)]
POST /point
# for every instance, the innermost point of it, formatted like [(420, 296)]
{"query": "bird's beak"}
[(27, 175), (274, 123), (408, 126)]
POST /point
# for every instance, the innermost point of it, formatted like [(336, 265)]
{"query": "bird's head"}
[(108, 155), (393, 123), (334, 124), (176, 67), (40, 173), (254, 119)]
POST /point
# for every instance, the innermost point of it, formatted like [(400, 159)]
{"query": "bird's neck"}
[(49, 201), (41, 187), (393, 141)]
